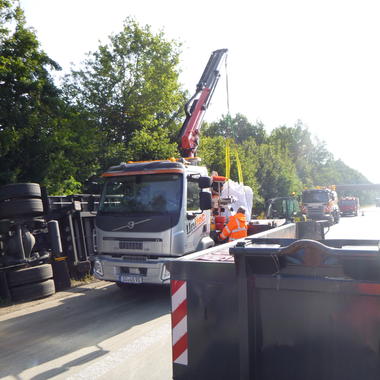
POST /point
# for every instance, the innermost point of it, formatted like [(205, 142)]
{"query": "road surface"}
[(94, 331), (365, 226), (98, 331)]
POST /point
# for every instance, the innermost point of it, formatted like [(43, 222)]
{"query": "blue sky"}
[(317, 61)]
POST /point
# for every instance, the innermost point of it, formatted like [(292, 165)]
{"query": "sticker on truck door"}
[(192, 225)]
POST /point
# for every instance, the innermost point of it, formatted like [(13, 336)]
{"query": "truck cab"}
[(150, 212), (283, 207), (349, 206), (321, 204)]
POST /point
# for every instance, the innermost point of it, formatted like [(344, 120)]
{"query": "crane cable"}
[(228, 140)]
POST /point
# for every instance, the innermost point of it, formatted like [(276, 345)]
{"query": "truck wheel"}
[(30, 275), (20, 190), (31, 292), (21, 207)]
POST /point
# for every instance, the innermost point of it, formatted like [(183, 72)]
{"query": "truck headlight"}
[(165, 275), (98, 268)]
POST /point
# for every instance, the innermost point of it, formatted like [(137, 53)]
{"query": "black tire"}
[(32, 292), (30, 275), (20, 190), (21, 207)]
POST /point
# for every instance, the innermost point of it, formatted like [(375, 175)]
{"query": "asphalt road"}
[(98, 331), (364, 226), (95, 331)]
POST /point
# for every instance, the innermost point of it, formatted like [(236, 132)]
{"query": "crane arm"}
[(196, 107)]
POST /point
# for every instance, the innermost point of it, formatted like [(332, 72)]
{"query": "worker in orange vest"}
[(236, 227)]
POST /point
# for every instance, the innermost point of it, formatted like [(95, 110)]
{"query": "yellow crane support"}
[(228, 161)]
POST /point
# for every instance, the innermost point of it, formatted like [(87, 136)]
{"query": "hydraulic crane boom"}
[(196, 107)]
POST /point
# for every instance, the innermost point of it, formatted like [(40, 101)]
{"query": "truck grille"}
[(131, 245), (316, 210)]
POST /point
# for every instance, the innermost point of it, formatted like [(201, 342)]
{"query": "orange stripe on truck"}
[(159, 171)]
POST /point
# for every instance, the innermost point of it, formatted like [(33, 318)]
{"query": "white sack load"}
[(242, 195)]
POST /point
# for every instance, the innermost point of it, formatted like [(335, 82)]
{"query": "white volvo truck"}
[(152, 212)]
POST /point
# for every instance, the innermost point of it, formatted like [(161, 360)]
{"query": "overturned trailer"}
[(44, 241)]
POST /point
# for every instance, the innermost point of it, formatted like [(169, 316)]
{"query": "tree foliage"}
[(121, 105), (29, 100), (238, 128), (130, 89), (42, 139), (284, 162)]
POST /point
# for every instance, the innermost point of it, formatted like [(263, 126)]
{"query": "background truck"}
[(349, 206), (283, 207), (152, 212), (321, 204)]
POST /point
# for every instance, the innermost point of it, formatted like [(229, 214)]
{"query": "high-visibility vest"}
[(236, 228)]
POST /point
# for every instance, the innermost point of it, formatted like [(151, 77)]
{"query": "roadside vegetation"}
[(124, 103)]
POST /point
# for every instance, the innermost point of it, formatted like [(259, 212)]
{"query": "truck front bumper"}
[(149, 271)]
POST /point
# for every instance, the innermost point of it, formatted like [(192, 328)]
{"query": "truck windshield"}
[(347, 202), (147, 193), (315, 197)]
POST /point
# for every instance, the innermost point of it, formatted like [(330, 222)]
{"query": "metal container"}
[(278, 308), (309, 310), (205, 317)]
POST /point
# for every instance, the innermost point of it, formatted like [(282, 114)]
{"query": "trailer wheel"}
[(21, 207), (30, 275), (32, 292), (20, 190)]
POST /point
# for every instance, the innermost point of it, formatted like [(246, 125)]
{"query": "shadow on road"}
[(85, 320)]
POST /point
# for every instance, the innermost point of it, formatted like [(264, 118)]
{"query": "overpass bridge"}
[(362, 186)]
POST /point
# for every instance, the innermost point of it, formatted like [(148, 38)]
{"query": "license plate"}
[(131, 278)]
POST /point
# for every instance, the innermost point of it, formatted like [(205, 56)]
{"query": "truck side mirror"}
[(204, 182), (205, 200), (93, 187)]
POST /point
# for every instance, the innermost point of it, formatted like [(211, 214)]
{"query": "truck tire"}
[(20, 190), (21, 207), (30, 292), (30, 275)]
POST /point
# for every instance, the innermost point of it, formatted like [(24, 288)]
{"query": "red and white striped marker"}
[(179, 322)]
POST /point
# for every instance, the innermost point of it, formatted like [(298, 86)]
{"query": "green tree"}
[(29, 100), (151, 145), (237, 128), (130, 88), (42, 139), (212, 151), (307, 153), (276, 173)]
